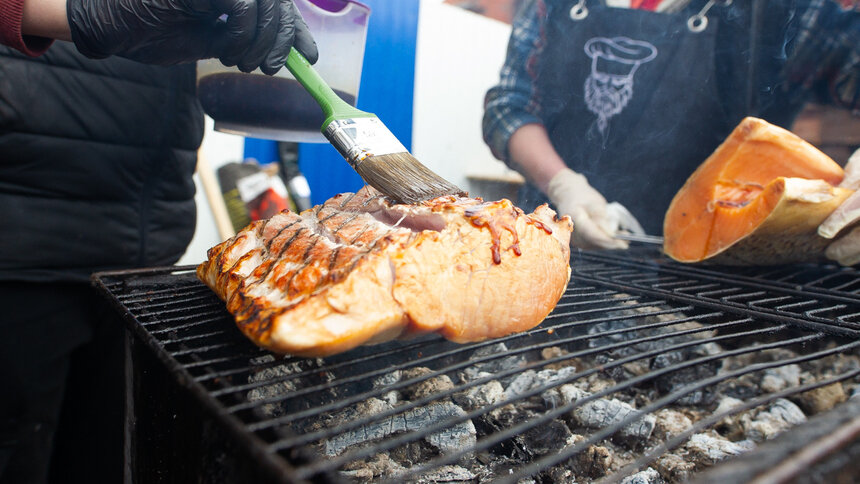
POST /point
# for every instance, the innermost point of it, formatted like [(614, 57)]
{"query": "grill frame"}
[(785, 290)]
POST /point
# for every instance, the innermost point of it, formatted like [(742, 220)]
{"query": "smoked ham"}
[(361, 270), (757, 200)]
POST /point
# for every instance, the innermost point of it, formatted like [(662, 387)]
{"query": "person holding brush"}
[(620, 100), (98, 145)]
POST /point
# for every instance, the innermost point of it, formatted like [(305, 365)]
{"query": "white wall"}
[(459, 55)]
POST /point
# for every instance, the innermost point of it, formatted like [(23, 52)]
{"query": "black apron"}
[(630, 100)]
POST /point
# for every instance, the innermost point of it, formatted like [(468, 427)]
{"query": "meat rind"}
[(757, 200)]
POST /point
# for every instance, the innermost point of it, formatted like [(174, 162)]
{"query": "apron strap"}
[(697, 23)]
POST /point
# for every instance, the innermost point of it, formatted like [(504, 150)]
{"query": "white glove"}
[(623, 219), (594, 221), (846, 250)]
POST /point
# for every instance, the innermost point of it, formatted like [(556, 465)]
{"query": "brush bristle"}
[(402, 178)]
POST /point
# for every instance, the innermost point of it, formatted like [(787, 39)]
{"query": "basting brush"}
[(368, 145)]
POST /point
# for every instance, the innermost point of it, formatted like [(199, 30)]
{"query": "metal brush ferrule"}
[(358, 138)]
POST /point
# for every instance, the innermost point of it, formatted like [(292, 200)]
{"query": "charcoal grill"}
[(634, 336)]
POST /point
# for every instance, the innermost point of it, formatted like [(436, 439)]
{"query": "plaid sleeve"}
[(513, 102), (11, 13), (828, 51)]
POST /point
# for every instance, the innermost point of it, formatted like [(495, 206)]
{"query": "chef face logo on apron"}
[(609, 86)]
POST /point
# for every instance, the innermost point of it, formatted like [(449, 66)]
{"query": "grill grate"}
[(633, 329)]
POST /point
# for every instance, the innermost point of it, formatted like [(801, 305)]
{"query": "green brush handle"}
[(332, 105)]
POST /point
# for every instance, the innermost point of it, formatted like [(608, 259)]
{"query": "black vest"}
[(96, 164)]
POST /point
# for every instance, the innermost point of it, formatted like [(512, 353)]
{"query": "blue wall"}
[(387, 84)]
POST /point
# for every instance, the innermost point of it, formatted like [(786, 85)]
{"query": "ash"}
[(472, 404)]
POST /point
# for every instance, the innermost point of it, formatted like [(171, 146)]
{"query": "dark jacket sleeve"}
[(11, 13)]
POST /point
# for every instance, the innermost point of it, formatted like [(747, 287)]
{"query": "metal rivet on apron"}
[(579, 11), (699, 22)]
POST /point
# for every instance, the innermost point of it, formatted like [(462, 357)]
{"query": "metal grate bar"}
[(608, 431), (234, 357), (189, 293), (161, 316), (249, 441), (672, 397), (204, 349), (400, 350), (404, 349), (791, 278), (486, 443), (704, 423), (345, 402), (196, 337), (630, 301), (533, 392), (502, 374), (218, 317), (815, 324)]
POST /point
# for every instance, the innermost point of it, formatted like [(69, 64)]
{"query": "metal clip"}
[(699, 22), (579, 11)]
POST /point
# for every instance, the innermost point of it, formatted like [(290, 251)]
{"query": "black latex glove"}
[(256, 33)]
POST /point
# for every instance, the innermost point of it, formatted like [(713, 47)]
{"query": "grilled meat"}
[(360, 270)]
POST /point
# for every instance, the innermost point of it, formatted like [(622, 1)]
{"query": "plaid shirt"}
[(827, 50)]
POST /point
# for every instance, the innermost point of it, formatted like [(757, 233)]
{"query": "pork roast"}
[(361, 270)]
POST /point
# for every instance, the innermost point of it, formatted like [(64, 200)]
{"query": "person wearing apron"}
[(623, 104)]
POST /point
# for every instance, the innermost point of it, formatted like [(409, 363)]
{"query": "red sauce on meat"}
[(537, 223), (479, 216)]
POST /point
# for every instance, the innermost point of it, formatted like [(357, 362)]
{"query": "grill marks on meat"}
[(358, 269)]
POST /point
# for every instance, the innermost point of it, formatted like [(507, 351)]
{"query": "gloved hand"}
[(845, 250), (594, 221), (255, 33)]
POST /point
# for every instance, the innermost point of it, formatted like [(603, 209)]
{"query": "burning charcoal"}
[(767, 423), (674, 468), (834, 364), (617, 373), (501, 419), (521, 384), (743, 388), (822, 399), (670, 423), (380, 466), (648, 476), (596, 383), (431, 386), (779, 378), (552, 352), (530, 379), (602, 339), (480, 396), (594, 462), (558, 474), (274, 390), (493, 366), (602, 412), (705, 450), (451, 439), (730, 426), (555, 352), (536, 441), (448, 474), (387, 379), (678, 379), (546, 438)]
